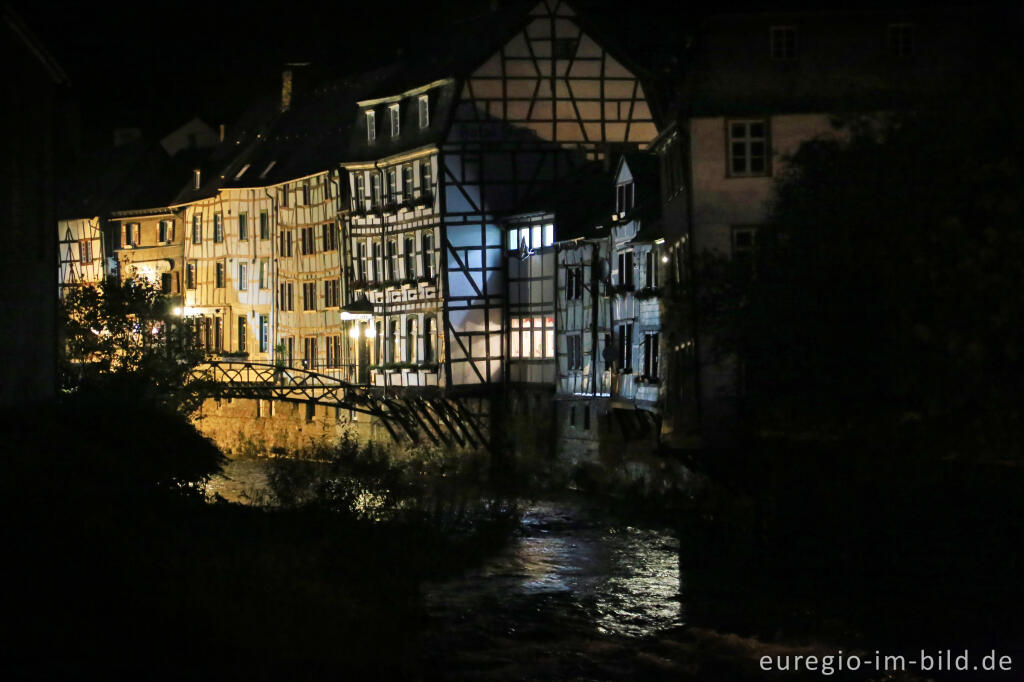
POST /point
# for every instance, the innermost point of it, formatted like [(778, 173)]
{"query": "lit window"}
[(748, 148), (424, 110), (393, 112), (783, 42), (85, 251), (371, 126), (532, 337), (900, 39)]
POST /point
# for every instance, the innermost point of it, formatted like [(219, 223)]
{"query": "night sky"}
[(156, 65)]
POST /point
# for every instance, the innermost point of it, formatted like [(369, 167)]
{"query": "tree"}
[(889, 280), (123, 338)]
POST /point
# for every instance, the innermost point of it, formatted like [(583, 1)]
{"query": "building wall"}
[(721, 204), (140, 251), (405, 287), (81, 252)]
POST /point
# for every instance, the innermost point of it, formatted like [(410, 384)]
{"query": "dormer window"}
[(371, 126), (424, 110), (623, 198), (393, 112)]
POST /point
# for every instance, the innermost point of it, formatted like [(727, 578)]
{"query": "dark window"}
[(286, 243), (242, 329), (900, 39), (428, 254), (165, 282), (359, 265), (264, 225), (309, 354), (565, 48), (331, 288), (407, 182), (305, 193), (748, 148), (625, 347), (575, 351), (220, 275), (330, 236), (190, 276), (624, 197), (218, 338), (426, 183), (783, 42), (410, 258), (243, 226), (626, 269), (264, 332), (428, 339), (651, 351), (743, 241), (392, 261), (396, 342), (286, 300), (308, 244), (309, 296)]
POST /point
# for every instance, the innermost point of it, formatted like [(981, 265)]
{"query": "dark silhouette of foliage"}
[(122, 338), (888, 282)]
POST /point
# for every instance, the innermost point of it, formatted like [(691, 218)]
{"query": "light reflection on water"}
[(572, 570), (569, 569)]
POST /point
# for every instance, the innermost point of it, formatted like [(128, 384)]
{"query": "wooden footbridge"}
[(415, 416)]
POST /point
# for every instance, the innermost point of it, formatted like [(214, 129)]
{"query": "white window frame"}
[(423, 107), (395, 119), (371, 125), (748, 141)]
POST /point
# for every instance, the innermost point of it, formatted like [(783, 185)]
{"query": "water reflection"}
[(570, 567)]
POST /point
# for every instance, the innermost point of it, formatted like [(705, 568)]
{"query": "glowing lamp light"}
[(177, 311), (664, 259), (370, 332), (354, 332)]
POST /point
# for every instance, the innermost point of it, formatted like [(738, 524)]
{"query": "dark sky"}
[(155, 65)]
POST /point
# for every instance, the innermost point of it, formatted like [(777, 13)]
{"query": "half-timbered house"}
[(455, 181)]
